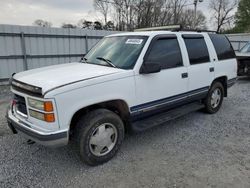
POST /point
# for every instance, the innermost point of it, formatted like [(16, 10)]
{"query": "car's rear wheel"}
[(214, 98), (98, 136)]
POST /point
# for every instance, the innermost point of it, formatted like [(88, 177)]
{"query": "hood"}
[(55, 76)]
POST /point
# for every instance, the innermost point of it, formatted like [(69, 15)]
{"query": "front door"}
[(157, 92)]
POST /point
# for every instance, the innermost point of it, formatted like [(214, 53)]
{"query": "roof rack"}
[(162, 28), (174, 28), (196, 30)]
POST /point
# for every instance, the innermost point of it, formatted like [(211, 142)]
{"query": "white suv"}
[(130, 81)]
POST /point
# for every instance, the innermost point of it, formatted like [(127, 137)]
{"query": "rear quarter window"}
[(222, 46)]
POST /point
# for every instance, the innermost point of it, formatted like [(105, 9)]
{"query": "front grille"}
[(20, 104)]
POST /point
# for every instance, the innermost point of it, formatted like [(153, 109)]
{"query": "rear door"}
[(201, 68)]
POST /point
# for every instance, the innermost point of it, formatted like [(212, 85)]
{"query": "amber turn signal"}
[(48, 106), (49, 117)]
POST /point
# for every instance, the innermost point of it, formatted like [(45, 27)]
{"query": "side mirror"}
[(148, 67)]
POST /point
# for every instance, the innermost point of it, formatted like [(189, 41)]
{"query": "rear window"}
[(222, 46), (197, 49)]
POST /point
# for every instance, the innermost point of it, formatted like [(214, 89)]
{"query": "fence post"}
[(25, 63), (86, 43)]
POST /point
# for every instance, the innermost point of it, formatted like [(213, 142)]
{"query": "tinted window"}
[(166, 52), (197, 50), (222, 46)]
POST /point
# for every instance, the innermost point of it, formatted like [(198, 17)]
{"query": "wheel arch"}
[(118, 106), (223, 80)]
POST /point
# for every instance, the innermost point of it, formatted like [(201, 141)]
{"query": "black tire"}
[(209, 108), (85, 128)]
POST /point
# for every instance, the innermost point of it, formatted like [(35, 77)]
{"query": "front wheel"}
[(214, 98), (98, 136)]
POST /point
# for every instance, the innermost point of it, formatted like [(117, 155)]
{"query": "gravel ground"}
[(197, 150), (4, 102)]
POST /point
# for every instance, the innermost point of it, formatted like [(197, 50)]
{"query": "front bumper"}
[(48, 139)]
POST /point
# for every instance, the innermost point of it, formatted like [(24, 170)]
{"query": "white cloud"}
[(24, 12)]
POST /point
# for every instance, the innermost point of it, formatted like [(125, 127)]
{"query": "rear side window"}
[(197, 49), (166, 52), (222, 46)]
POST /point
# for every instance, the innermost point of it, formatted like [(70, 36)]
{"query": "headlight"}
[(46, 106), (36, 104)]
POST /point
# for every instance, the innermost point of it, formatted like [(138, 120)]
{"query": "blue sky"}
[(24, 12)]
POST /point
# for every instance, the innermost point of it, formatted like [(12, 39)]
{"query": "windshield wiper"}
[(107, 61)]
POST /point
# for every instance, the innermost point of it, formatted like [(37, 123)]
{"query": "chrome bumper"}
[(51, 139)]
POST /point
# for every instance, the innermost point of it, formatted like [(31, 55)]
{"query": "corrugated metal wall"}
[(27, 47), (238, 40)]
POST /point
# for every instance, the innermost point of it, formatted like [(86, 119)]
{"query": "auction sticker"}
[(134, 41)]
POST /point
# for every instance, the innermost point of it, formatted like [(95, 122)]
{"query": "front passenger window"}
[(166, 52)]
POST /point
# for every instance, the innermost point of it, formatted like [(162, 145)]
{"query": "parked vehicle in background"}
[(243, 57), (128, 81)]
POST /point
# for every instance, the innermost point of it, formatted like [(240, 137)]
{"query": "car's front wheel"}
[(98, 136), (214, 98)]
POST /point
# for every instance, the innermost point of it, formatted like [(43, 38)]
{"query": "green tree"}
[(85, 24), (97, 25), (42, 23), (243, 16), (109, 26)]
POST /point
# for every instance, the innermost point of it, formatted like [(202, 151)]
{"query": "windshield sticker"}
[(134, 41)]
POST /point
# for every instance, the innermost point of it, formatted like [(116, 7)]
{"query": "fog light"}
[(42, 116), (37, 115)]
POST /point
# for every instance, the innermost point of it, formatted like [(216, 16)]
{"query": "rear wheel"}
[(98, 136), (214, 98)]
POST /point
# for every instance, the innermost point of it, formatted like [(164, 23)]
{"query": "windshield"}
[(118, 51), (245, 48)]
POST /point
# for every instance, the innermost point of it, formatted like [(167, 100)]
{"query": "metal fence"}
[(26, 47), (238, 40)]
